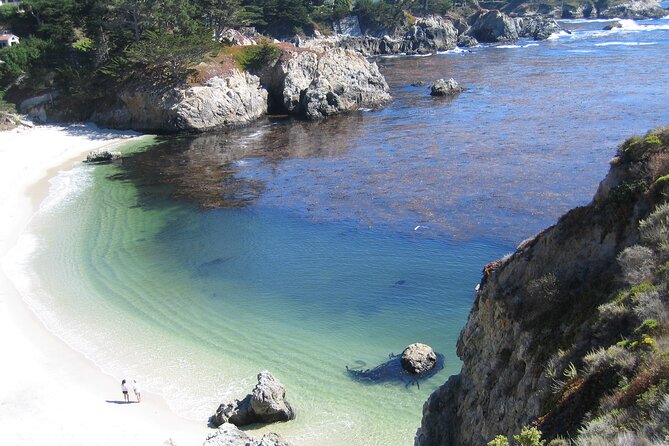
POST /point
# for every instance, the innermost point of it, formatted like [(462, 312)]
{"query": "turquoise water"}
[(304, 248), (195, 303)]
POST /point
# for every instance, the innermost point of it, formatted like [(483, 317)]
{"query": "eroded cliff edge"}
[(557, 336)]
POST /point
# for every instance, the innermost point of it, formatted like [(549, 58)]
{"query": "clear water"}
[(306, 247)]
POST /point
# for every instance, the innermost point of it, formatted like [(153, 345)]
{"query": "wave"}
[(456, 50), (516, 46), (629, 25), (625, 43), (66, 187), (559, 34), (587, 20)]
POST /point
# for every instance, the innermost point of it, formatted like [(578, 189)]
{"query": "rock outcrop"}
[(494, 26), (427, 35), (102, 156), (443, 87), (265, 404), (536, 28), (229, 435), (418, 358), (536, 311), (222, 102), (632, 9), (315, 85)]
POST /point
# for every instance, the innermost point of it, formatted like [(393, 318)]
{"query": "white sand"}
[(50, 394)]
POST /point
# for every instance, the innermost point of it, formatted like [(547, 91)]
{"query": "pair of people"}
[(135, 388)]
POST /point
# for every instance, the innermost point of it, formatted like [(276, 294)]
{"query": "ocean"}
[(305, 248)]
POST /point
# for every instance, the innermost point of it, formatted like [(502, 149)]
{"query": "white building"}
[(8, 40)]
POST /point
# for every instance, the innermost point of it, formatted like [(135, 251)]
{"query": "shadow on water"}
[(231, 169), (391, 371)]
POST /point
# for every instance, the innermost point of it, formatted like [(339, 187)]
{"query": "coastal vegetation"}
[(79, 45)]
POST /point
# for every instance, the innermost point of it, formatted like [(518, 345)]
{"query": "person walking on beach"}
[(137, 390), (124, 389)]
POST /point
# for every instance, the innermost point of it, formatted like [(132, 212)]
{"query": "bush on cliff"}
[(254, 57)]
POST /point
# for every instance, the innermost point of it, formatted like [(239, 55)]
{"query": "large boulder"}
[(430, 34), (266, 404), (633, 9), (443, 87), (536, 28), (315, 85), (229, 435), (494, 26), (418, 358), (229, 101)]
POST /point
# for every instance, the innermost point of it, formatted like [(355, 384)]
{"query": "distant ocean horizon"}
[(306, 247)]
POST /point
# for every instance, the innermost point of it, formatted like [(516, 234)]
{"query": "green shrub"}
[(652, 139), (600, 431), (529, 436), (254, 57), (655, 230), (615, 357), (559, 441), (637, 263), (627, 190), (499, 440)]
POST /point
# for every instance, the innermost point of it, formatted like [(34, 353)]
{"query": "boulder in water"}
[(418, 358), (443, 87), (613, 25), (266, 404)]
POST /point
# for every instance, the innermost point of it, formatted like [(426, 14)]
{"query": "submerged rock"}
[(418, 358), (230, 435), (613, 25), (443, 87), (265, 404), (393, 371), (101, 156)]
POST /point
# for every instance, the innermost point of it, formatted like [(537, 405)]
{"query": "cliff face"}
[(306, 83), (538, 310), (222, 102)]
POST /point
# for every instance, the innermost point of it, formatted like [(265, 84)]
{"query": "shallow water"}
[(306, 247)]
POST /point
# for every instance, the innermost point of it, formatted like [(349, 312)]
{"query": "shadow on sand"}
[(392, 371), (120, 402)]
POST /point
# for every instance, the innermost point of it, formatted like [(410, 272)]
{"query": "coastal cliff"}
[(562, 329), (304, 83)]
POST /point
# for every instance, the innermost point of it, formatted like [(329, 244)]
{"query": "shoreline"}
[(51, 393)]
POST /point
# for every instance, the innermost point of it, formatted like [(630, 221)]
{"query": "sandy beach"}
[(49, 393)]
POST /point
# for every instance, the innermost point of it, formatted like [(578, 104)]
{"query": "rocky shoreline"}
[(543, 309)]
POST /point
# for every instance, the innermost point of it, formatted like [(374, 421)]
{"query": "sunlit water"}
[(304, 248)]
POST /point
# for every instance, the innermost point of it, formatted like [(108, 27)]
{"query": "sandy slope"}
[(50, 394)]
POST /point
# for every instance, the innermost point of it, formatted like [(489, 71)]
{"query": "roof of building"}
[(7, 37)]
